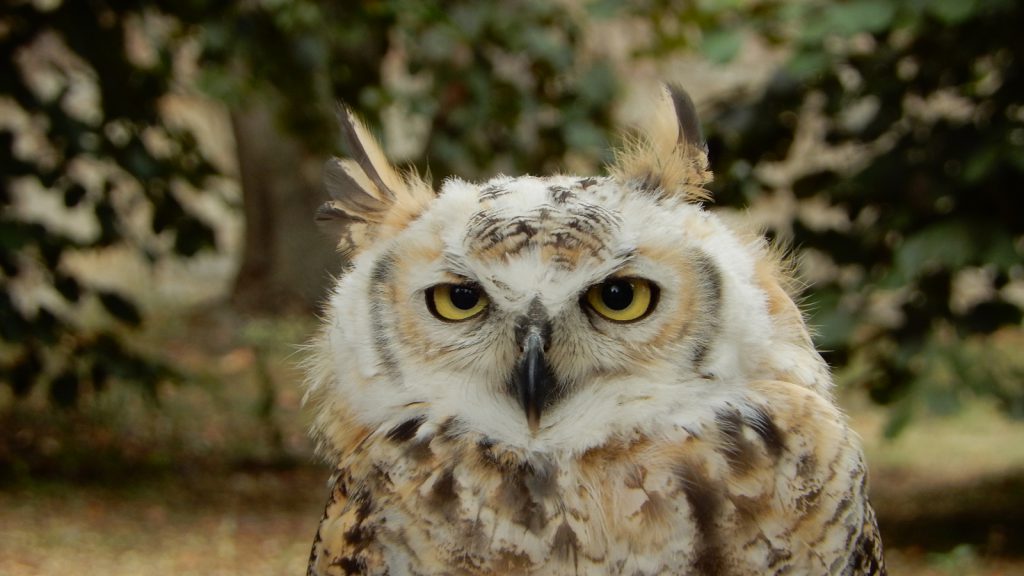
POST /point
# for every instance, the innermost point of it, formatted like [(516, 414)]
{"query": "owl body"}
[(573, 375)]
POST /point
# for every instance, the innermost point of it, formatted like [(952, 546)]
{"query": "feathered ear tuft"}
[(670, 157), (369, 198)]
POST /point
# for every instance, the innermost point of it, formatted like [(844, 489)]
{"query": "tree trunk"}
[(287, 264)]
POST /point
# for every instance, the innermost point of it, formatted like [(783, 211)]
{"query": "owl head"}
[(546, 314)]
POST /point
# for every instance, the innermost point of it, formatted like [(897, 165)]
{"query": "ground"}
[(239, 523)]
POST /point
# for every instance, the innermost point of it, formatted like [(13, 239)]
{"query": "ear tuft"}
[(369, 198), (347, 184), (366, 153), (670, 157), (690, 133)]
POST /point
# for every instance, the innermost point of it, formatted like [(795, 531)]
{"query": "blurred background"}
[(159, 266)]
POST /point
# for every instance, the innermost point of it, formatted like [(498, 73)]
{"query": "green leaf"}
[(605, 8), (947, 244), (981, 164), (900, 415), (952, 12), (851, 18), (721, 46), (544, 45), (999, 247), (15, 235), (584, 135), (806, 63), (953, 244), (720, 5), (833, 325), (597, 86)]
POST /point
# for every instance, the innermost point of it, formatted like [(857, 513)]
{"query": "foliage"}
[(506, 86), (91, 107), (500, 87), (497, 87), (922, 102), (300, 55)]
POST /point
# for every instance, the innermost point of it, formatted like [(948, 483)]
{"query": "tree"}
[(280, 70)]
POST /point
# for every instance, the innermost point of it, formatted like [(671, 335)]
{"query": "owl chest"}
[(472, 519), (773, 489), (606, 514)]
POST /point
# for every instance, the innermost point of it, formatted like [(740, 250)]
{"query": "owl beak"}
[(533, 378)]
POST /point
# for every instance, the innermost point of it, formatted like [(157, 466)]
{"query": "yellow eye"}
[(456, 302), (622, 299)]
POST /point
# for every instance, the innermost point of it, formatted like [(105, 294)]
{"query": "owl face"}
[(544, 314)]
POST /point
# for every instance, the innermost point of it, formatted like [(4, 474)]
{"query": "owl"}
[(573, 375)]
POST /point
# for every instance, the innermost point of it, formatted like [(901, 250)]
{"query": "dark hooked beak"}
[(533, 379)]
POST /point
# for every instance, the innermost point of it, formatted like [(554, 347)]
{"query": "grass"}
[(949, 491), (238, 523)]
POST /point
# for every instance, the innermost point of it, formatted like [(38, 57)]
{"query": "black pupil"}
[(464, 297), (617, 295)]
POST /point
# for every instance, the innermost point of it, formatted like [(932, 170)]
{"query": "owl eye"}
[(455, 302), (622, 299)]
